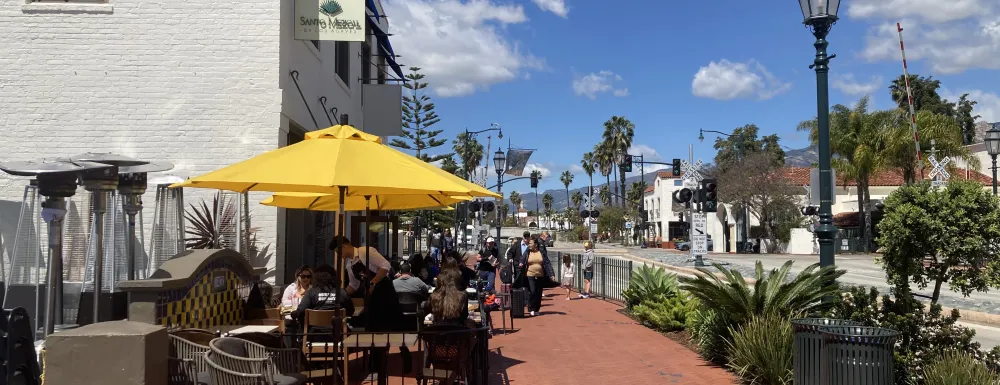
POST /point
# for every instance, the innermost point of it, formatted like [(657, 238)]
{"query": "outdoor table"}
[(239, 329)]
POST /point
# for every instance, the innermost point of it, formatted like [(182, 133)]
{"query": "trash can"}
[(807, 360), (859, 355)]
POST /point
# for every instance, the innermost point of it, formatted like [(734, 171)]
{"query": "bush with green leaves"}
[(773, 293), (649, 282), (925, 336), (665, 313), (954, 368), (761, 350), (710, 331)]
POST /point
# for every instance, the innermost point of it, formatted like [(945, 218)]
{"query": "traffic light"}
[(475, 206), (489, 206), (676, 166), (627, 163), (683, 195), (709, 195), (534, 181)]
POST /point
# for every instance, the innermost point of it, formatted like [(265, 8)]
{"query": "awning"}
[(384, 47)]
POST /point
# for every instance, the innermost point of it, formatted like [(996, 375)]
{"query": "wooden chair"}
[(326, 348)]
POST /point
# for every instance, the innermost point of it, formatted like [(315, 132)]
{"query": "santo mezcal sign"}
[(337, 20)]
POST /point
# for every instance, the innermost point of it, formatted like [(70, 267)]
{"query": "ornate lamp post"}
[(993, 148), (499, 164), (820, 16)]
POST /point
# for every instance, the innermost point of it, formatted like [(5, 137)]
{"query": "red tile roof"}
[(649, 189), (799, 176), (668, 175)]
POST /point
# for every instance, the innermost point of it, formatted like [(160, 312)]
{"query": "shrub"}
[(761, 350), (665, 313), (925, 336), (959, 369), (772, 294), (649, 283), (710, 331)]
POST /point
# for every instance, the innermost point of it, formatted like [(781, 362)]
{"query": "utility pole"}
[(690, 215)]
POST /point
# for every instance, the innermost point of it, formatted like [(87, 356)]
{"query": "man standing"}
[(448, 242), (489, 259), (517, 253), (435, 238)]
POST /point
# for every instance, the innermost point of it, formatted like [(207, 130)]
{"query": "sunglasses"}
[(307, 276)]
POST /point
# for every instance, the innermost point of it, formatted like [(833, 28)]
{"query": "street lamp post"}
[(499, 162), (739, 156), (993, 148), (820, 16)]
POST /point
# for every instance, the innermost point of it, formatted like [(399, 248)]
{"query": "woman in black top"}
[(325, 294), (448, 303)]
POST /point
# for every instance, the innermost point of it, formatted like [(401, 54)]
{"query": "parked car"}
[(686, 245)]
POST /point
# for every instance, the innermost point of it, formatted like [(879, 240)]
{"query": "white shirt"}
[(375, 261), (289, 298)]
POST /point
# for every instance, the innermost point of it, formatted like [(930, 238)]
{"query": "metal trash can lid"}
[(814, 324), (864, 335)]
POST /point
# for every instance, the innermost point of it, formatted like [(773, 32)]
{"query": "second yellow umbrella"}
[(326, 202)]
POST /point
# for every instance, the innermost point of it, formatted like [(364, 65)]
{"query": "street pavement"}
[(861, 270)]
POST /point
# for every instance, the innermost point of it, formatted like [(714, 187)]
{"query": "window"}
[(343, 61), (678, 183)]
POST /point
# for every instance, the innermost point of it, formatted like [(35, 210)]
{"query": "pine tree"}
[(418, 117)]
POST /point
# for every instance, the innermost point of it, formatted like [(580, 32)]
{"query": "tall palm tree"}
[(605, 194), (469, 151), (604, 160), (635, 193), (566, 178), (515, 199), (587, 163), (899, 151), (538, 176), (618, 134), (577, 200), (547, 203)]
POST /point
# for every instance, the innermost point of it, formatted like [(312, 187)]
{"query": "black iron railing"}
[(611, 275)]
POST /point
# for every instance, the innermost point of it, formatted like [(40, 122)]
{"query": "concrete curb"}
[(967, 316)]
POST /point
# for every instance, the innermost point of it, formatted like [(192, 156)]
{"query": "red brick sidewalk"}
[(586, 341)]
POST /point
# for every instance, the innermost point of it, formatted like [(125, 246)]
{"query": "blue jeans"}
[(490, 277), (436, 255)]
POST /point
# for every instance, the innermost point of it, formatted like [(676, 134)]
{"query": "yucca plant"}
[(649, 282), (761, 350), (771, 294), (956, 368), (206, 226)]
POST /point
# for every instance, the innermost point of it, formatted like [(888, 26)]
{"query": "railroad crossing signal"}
[(710, 195), (691, 173), (938, 173)]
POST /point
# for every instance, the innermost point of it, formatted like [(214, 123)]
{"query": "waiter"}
[(489, 260), (368, 275)]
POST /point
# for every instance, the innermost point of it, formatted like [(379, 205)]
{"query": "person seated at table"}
[(448, 303), (325, 294), (465, 274), (405, 282), (417, 267), (294, 292)]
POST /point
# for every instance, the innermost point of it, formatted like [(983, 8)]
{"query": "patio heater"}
[(168, 222), (100, 183), (131, 186), (56, 181)]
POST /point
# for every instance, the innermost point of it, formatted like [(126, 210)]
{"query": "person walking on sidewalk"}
[(588, 268), (538, 272), (489, 260)]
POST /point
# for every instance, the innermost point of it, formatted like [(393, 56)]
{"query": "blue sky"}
[(552, 71)]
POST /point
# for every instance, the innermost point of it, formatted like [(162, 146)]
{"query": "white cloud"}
[(648, 153), (459, 45), (557, 7), (987, 103), (951, 35), (575, 168), (849, 85), (726, 80), (595, 83), (535, 166)]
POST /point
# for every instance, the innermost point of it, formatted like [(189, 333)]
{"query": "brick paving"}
[(586, 341)]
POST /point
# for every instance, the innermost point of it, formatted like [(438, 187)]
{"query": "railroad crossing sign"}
[(588, 201), (691, 174), (939, 175)]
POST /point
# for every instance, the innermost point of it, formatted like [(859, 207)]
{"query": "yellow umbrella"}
[(327, 202), (335, 158)]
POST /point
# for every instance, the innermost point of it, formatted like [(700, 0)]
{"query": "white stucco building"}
[(198, 83)]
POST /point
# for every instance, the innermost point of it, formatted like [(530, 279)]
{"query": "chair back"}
[(266, 339), (181, 348), (447, 351), (230, 345), (197, 336), (333, 319), (409, 302)]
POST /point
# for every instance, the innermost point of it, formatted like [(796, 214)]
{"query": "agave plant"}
[(330, 8), (206, 226), (772, 294), (956, 368), (649, 283)]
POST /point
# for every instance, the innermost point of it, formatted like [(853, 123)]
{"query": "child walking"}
[(567, 276)]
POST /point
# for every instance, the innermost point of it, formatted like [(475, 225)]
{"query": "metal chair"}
[(182, 348), (223, 376), (232, 354), (410, 303), (448, 354), (181, 371)]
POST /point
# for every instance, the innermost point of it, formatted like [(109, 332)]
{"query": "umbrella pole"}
[(368, 246), (337, 259)]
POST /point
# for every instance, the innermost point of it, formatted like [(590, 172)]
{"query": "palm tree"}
[(605, 194), (566, 178), (515, 199), (604, 159), (587, 163), (577, 200), (618, 134), (469, 151), (547, 203), (635, 193), (897, 136), (538, 176)]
